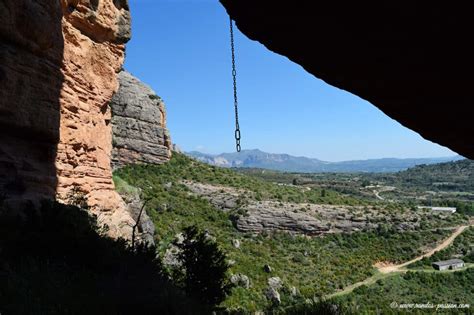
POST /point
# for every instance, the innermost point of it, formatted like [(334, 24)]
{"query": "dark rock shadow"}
[(55, 261), (31, 55)]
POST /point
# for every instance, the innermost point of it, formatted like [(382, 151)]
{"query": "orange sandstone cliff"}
[(58, 72)]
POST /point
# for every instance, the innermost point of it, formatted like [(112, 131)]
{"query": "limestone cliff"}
[(138, 124), (58, 71)]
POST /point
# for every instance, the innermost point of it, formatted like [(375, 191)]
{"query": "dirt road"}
[(393, 268), (386, 270)]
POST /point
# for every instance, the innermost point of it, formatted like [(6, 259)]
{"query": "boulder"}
[(236, 243), (273, 295), (240, 280), (275, 283)]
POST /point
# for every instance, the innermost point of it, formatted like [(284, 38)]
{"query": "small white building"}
[(448, 264), (446, 209)]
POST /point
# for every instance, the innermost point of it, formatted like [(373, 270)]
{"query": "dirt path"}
[(393, 268), (385, 270)]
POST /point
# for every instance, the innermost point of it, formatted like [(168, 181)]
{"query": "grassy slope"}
[(316, 266)]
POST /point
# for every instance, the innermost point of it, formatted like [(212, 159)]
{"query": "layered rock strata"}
[(262, 217), (139, 124), (252, 215)]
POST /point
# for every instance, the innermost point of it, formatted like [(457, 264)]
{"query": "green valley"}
[(310, 261)]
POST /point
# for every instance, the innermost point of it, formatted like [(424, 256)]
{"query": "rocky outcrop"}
[(252, 215), (139, 135), (139, 124), (221, 197), (58, 71), (145, 228), (262, 217), (271, 292), (313, 219), (240, 280), (414, 62)]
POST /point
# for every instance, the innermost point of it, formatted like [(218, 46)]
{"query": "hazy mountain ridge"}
[(285, 162)]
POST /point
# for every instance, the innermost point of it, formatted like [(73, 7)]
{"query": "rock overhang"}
[(411, 60)]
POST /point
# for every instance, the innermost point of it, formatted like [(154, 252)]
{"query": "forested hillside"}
[(186, 192)]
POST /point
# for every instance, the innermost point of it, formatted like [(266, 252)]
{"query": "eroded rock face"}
[(139, 124), (267, 218), (58, 71)]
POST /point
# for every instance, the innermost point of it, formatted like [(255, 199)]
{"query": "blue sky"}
[(182, 50)]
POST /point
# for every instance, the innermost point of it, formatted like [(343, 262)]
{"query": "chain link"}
[(234, 77)]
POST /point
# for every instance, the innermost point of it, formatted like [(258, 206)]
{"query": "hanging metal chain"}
[(234, 77)]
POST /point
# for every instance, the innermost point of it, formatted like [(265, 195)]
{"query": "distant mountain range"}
[(288, 163)]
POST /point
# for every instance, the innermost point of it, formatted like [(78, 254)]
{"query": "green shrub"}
[(205, 267)]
